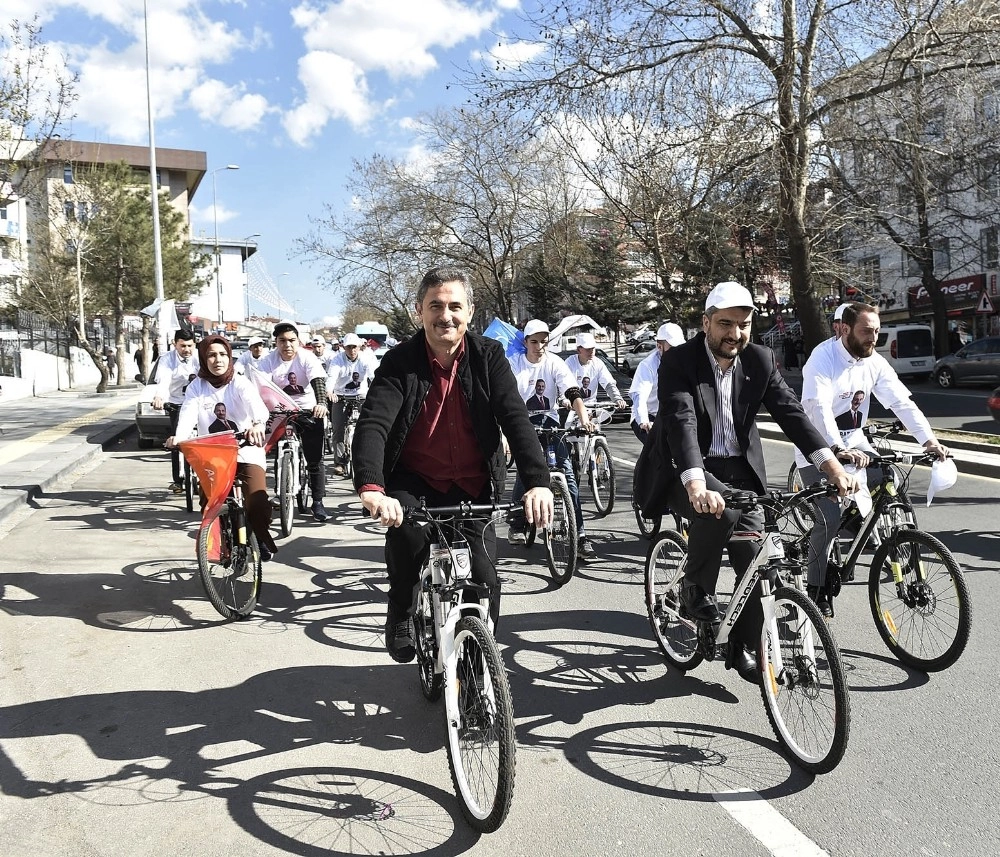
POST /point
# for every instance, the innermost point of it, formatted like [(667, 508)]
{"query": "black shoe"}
[(698, 604), (819, 597), (745, 665), (319, 512), (266, 554), (399, 635)]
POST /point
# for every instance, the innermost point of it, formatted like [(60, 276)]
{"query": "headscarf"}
[(203, 370)]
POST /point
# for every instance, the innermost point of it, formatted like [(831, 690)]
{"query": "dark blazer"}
[(687, 394), (398, 391)]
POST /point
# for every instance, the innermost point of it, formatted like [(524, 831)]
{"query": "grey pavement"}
[(46, 438)]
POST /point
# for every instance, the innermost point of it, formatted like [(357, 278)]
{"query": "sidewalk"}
[(45, 438)]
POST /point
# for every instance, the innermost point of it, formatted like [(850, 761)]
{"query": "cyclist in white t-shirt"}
[(645, 402), (591, 373), (349, 373)]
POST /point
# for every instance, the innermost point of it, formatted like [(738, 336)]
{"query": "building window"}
[(989, 178), (68, 174), (159, 178), (989, 246), (69, 209), (942, 259), (870, 274), (3, 212)]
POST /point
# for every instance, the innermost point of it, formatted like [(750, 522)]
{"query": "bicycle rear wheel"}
[(285, 498), (348, 457), (479, 721), (676, 637), (560, 538), (431, 681), (230, 571), (602, 477), (806, 700), (190, 486), (920, 600), (648, 527), (303, 497)]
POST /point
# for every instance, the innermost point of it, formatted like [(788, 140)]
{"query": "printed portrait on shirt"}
[(221, 423), (585, 387), (853, 418), (538, 401), (293, 387), (354, 384)]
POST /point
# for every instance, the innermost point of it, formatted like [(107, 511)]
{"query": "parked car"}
[(976, 363), (993, 404), (909, 348), (622, 381), (634, 356), (153, 425)]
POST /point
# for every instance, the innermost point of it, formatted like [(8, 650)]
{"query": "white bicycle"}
[(291, 472), (590, 453), (802, 676), (456, 653)]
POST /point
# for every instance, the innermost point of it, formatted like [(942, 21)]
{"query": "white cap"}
[(535, 326), (729, 295), (839, 312), (255, 340), (318, 340), (671, 334), (351, 339), (586, 340)]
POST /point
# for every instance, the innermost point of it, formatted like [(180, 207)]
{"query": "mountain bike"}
[(590, 450), (456, 653), (917, 592), (229, 563), (560, 538), (802, 683), (291, 472)]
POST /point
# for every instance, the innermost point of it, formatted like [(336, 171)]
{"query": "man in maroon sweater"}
[(431, 429)]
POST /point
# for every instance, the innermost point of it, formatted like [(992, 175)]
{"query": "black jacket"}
[(398, 391), (682, 432)]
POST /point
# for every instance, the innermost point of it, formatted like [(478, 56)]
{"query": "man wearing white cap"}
[(542, 380), (584, 365), (838, 381), (340, 372), (705, 440), (837, 323), (645, 403), (256, 348), (318, 344)]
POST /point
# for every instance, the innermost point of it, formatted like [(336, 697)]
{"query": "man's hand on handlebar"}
[(939, 449), (704, 501), (538, 503), (847, 483), (857, 457), (386, 509)]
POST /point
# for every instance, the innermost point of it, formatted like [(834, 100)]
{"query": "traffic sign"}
[(985, 305)]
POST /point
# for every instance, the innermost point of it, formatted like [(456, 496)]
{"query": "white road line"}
[(775, 832)]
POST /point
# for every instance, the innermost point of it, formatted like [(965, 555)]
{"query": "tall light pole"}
[(161, 334), (215, 216), (246, 279)]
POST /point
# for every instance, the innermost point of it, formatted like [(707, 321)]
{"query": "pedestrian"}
[(112, 361)]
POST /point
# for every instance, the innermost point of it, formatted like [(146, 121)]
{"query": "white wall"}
[(45, 373)]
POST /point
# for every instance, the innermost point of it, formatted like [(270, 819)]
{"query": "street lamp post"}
[(246, 279), (215, 216)]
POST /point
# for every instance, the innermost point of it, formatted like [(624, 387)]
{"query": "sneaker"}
[(266, 555), (399, 635), (584, 549), (176, 487), (516, 536), (319, 512), (820, 598), (338, 470)]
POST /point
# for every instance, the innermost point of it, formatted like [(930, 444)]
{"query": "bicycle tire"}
[(285, 498), (648, 527), (431, 681), (190, 486), (231, 574), (560, 538), (328, 445), (479, 724), (676, 637), (302, 497), (808, 704), (794, 483), (926, 625), (602, 477), (348, 457)]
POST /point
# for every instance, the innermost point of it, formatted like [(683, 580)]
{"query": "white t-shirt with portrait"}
[(542, 384), (293, 376)]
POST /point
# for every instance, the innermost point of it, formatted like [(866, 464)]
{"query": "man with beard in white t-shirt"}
[(542, 380)]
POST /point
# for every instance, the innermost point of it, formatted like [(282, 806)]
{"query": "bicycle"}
[(457, 654), (352, 410), (229, 562), (917, 592), (560, 538), (803, 684), (591, 448), (191, 485), (291, 472)]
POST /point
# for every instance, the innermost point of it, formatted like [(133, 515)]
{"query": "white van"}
[(909, 348)]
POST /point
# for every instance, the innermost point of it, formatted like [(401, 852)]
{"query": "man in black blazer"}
[(710, 390)]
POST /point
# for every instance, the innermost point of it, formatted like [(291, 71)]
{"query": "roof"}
[(573, 321)]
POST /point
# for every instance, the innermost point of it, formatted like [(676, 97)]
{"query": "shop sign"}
[(959, 293)]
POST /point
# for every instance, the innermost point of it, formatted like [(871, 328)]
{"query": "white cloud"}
[(511, 55), (228, 106), (335, 89)]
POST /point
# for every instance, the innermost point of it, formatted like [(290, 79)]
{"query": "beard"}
[(856, 348), (725, 349)]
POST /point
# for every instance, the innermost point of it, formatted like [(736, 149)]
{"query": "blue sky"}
[(291, 92)]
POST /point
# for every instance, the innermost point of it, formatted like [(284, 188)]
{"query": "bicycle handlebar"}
[(462, 510), (747, 501)]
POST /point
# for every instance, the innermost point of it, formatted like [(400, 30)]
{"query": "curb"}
[(976, 459)]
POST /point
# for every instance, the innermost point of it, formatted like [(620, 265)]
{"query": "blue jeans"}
[(566, 465)]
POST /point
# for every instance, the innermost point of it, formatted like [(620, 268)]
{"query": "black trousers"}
[(311, 434), (709, 536), (407, 546), (173, 411)]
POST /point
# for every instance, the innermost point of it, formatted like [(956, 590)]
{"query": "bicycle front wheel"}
[(285, 497), (920, 600), (303, 497), (560, 537), (230, 571), (677, 637), (348, 456), (190, 486), (602, 477), (479, 719), (431, 680), (803, 683)]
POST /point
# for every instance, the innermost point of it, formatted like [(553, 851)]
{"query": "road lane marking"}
[(20, 448), (768, 826)]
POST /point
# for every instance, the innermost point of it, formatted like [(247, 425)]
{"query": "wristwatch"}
[(836, 449)]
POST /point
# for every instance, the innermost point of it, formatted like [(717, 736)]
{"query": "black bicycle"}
[(560, 537)]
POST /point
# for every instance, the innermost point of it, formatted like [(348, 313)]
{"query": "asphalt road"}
[(132, 721)]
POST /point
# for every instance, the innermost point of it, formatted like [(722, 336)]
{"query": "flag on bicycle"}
[(278, 402), (213, 458)]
